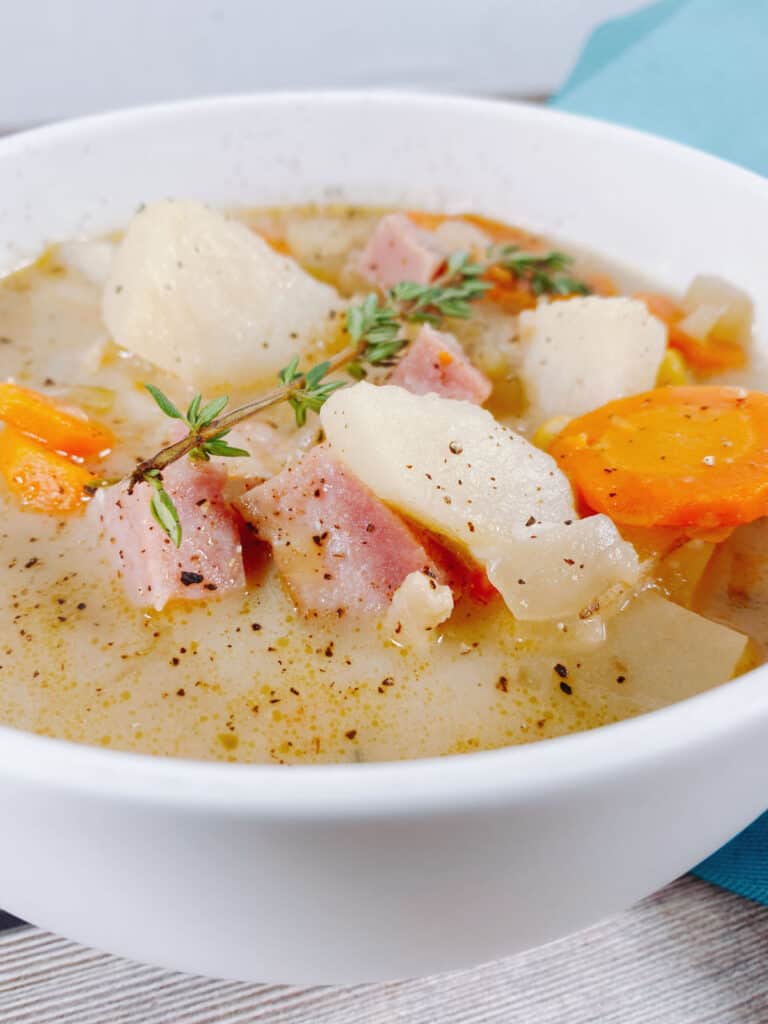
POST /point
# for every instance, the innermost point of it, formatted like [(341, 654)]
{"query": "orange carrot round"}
[(50, 424), (41, 479), (678, 456)]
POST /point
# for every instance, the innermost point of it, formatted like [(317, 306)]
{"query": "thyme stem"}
[(374, 328), (195, 438)]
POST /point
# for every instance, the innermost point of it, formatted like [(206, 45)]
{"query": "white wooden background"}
[(690, 955)]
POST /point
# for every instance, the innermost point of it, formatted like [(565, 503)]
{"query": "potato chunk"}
[(657, 652), (201, 296), (450, 466), (581, 353)]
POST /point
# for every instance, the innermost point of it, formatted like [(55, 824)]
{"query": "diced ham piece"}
[(210, 558), (456, 569), (435, 363), (399, 251), (338, 548)]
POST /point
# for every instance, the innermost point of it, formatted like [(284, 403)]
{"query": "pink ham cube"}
[(435, 363), (338, 548), (399, 251), (153, 571)]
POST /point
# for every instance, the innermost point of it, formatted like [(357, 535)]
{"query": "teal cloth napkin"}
[(695, 71)]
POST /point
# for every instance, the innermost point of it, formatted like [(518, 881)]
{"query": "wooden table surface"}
[(692, 954)]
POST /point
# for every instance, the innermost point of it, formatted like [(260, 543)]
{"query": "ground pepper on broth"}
[(242, 673)]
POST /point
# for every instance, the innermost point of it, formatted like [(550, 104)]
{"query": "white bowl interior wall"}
[(358, 872)]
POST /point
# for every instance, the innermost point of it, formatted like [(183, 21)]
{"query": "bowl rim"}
[(457, 782)]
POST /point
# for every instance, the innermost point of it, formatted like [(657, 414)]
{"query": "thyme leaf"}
[(210, 411), (164, 402), (218, 446), (290, 373), (162, 507), (193, 408)]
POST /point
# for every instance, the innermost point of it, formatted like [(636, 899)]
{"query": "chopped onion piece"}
[(735, 312)]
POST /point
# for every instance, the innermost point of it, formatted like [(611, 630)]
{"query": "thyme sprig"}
[(377, 323), (314, 391), (544, 272), (197, 417), (375, 328), (202, 434), (449, 295)]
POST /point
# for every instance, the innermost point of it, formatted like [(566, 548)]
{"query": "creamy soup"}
[(367, 582)]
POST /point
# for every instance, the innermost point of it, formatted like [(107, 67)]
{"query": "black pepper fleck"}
[(188, 578)]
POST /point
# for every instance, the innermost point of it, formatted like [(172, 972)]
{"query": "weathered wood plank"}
[(690, 955)]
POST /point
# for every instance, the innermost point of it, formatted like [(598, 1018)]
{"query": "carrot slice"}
[(497, 230), (41, 479), (426, 220), (508, 292), (600, 283), (694, 457), (275, 242), (37, 416), (710, 356)]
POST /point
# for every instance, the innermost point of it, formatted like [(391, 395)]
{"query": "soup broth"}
[(247, 674)]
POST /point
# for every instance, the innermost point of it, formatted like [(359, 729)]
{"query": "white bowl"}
[(354, 873)]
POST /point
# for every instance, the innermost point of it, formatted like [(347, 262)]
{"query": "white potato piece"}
[(716, 306), (418, 607), (657, 652), (558, 571), (450, 466), (580, 353), (205, 298), (734, 588)]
